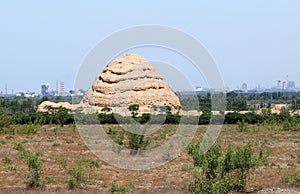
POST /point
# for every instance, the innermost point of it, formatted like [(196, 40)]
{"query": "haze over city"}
[(252, 42)]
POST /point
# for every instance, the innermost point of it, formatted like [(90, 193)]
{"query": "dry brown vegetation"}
[(57, 143)]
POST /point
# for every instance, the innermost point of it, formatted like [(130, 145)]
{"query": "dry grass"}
[(172, 177)]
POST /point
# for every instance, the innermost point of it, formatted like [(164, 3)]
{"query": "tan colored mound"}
[(43, 107), (128, 80)]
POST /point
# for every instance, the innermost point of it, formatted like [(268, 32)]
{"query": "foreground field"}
[(64, 144)]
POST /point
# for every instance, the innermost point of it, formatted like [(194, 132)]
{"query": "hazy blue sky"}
[(256, 42)]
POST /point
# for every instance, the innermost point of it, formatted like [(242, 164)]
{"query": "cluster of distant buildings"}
[(59, 91), (281, 86), (286, 85), (46, 92)]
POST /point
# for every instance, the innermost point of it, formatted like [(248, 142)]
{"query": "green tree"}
[(284, 114), (134, 108), (105, 109), (136, 136), (136, 141), (5, 119), (62, 116), (168, 109)]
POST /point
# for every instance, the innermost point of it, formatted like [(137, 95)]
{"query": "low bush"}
[(136, 140), (34, 165), (79, 171), (223, 172), (6, 161), (242, 126), (292, 178), (25, 129), (120, 189), (291, 125)]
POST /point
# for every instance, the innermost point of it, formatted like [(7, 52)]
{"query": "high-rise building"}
[(244, 87), (56, 89), (44, 89), (284, 85), (5, 89), (291, 85), (62, 87), (279, 84)]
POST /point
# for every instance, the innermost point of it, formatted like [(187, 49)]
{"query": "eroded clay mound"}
[(128, 80)]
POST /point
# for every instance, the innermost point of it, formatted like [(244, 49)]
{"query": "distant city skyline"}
[(52, 86), (253, 42), (59, 87)]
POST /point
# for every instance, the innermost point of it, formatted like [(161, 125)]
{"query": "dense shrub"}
[(204, 119), (157, 119), (23, 111), (106, 118), (223, 172), (172, 118), (233, 118), (5, 119), (144, 118), (82, 118), (61, 117)]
